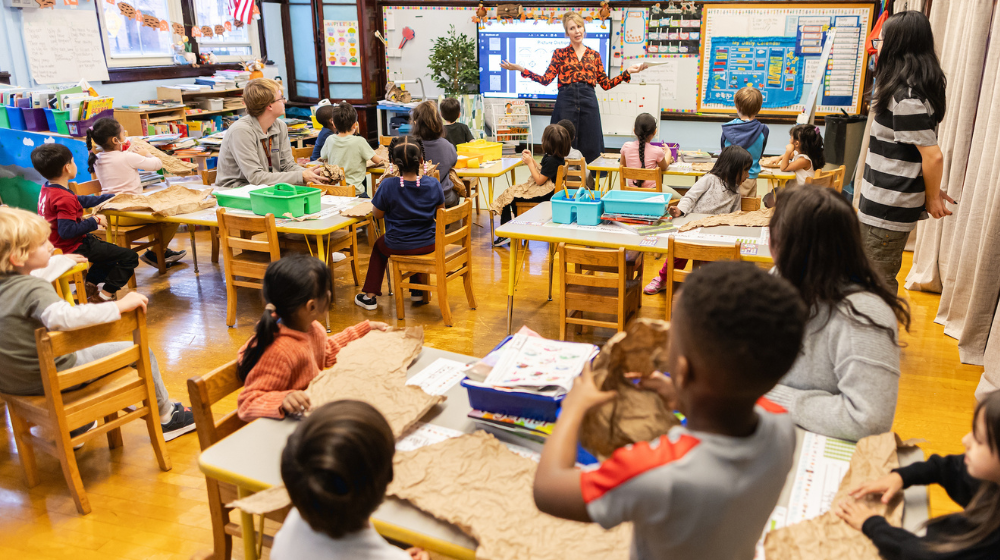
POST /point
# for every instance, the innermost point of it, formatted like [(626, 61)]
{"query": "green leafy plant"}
[(453, 64)]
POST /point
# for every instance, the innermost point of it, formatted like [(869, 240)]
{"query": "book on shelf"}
[(94, 106)]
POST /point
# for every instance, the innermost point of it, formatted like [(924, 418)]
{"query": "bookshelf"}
[(134, 120)]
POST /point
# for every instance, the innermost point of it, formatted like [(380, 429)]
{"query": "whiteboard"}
[(428, 23), (64, 46), (677, 78), (620, 106)]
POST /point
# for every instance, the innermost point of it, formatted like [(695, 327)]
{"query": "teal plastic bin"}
[(633, 202), (284, 199), (571, 206)]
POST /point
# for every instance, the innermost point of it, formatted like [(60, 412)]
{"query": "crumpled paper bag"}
[(393, 171), (756, 218), (359, 210), (332, 173), (172, 201), (263, 502), (482, 487), (635, 414), (171, 164), (828, 537), (527, 189), (382, 152)]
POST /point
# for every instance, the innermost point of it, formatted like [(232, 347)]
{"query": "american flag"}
[(243, 10)]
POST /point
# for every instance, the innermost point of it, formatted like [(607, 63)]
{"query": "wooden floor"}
[(140, 512)]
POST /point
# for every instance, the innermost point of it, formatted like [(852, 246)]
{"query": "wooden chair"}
[(305, 152), (605, 289), (206, 391), (385, 140), (343, 241), (563, 181), (626, 174), (833, 179), (208, 176), (698, 255), (452, 258), (254, 256), (749, 204), (78, 277), (113, 383)]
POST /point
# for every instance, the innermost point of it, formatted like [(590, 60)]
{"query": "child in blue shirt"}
[(324, 116), (748, 133), (409, 204)]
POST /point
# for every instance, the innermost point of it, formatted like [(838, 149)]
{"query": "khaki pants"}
[(884, 248), (748, 188)]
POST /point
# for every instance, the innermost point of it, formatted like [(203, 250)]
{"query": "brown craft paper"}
[(381, 152), (332, 173), (393, 171), (457, 184), (265, 501), (704, 167), (527, 189), (358, 210), (773, 162), (170, 163), (634, 414), (756, 218), (828, 537), (169, 202), (476, 483)]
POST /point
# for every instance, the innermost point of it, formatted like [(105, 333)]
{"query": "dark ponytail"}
[(289, 283), (811, 142), (102, 133), (645, 124), (406, 153)]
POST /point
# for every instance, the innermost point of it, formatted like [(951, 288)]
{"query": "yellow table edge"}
[(180, 219)]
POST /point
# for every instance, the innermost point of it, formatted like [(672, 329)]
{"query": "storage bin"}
[(210, 104), (489, 151), (571, 206), (512, 403), (15, 116), (284, 199), (57, 120), (235, 198), (34, 120), (80, 128), (633, 202), (4, 121)]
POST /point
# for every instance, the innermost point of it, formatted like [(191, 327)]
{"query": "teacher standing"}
[(579, 69)]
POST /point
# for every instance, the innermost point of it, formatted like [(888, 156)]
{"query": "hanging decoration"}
[(128, 11)]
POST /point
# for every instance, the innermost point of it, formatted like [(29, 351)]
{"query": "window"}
[(236, 43)]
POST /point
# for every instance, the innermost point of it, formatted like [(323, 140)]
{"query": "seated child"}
[(290, 346), (429, 128), (555, 145), (705, 490), (972, 480), (28, 303), (748, 133), (336, 467), (573, 152), (640, 154), (110, 264), (348, 150), (324, 116), (716, 192), (409, 204), (456, 132), (804, 153), (117, 170)]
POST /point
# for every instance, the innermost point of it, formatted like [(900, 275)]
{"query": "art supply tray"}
[(284, 199), (634, 202), (512, 403), (571, 206)]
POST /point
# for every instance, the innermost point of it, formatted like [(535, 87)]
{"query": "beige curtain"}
[(954, 23)]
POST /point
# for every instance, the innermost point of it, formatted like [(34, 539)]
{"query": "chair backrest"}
[(833, 179), (302, 152), (208, 176), (231, 225), (335, 190), (207, 390), (86, 187), (749, 204), (609, 259), (446, 217), (573, 178), (385, 140), (699, 254), (638, 175)]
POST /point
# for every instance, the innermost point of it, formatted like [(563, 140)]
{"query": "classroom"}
[(457, 280)]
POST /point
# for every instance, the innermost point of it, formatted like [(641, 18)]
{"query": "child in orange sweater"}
[(290, 346)]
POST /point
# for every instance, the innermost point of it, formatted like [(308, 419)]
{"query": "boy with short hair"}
[(456, 132), (111, 264), (349, 151), (704, 490), (28, 303), (324, 116), (747, 132)]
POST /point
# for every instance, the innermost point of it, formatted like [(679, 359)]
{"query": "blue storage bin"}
[(634, 202), (16, 117), (528, 405), (571, 206)]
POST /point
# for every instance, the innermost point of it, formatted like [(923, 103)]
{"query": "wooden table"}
[(250, 458), (536, 225), (609, 166)]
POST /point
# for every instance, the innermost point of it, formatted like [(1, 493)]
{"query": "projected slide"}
[(529, 44)]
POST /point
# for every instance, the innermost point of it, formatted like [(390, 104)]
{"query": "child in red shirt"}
[(110, 264)]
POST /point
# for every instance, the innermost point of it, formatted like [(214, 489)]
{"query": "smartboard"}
[(63, 46), (778, 50)]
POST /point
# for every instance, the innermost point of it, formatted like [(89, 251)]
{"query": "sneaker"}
[(368, 303), (655, 286), (501, 241), (80, 431), (91, 291), (172, 256), (337, 257), (181, 422), (149, 258)]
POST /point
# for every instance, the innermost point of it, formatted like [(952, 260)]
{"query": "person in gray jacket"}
[(845, 382), (256, 149)]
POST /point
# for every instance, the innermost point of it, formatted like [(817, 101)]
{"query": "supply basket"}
[(634, 202), (57, 120), (284, 199), (571, 206)]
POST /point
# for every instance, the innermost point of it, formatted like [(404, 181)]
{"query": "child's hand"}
[(585, 394), (418, 553), (855, 513), (101, 220), (296, 403), (889, 485), (377, 326), (659, 384), (526, 157), (789, 148), (131, 301), (79, 259), (675, 212)]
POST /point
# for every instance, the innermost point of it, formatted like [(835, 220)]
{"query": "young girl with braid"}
[(640, 154), (409, 204)]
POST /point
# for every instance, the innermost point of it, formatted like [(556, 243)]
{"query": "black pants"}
[(505, 214), (578, 103), (109, 263)]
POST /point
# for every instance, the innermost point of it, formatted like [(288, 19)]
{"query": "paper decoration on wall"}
[(177, 28), (114, 23), (675, 31), (70, 3), (112, 2), (228, 26), (127, 10), (219, 30), (238, 24), (195, 31), (151, 22), (768, 63), (341, 43), (206, 31), (46, 4)]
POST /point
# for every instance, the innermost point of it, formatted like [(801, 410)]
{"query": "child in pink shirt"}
[(640, 154)]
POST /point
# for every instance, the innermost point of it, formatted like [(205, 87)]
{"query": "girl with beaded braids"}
[(409, 204), (639, 153)]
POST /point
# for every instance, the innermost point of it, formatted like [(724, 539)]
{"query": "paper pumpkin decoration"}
[(151, 22), (219, 30), (127, 10), (256, 10), (112, 2), (164, 26), (228, 26), (195, 31), (71, 3), (46, 4), (178, 28), (206, 31)]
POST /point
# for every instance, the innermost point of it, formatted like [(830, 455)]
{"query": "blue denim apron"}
[(578, 103)]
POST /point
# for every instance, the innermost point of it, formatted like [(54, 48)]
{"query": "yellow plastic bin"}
[(486, 150)]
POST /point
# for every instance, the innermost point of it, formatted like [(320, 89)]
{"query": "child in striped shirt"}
[(290, 346)]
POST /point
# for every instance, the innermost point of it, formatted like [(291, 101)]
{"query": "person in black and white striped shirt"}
[(902, 178)]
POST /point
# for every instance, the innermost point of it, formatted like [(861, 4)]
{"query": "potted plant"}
[(453, 64)]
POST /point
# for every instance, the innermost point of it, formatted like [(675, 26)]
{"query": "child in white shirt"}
[(804, 152)]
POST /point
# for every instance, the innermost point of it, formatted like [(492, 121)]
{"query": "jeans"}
[(884, 248), (99, 351)]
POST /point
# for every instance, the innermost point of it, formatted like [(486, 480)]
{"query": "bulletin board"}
[(778, 51)]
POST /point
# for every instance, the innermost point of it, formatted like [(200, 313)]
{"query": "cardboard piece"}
[(828, 537), (358, 210), (635, 414), (478, 484), (265, 501), (170, 163), (756, 218), (373, 370), (170, 202), (457, 184), (703, 167), (527, 189), (772, 162)]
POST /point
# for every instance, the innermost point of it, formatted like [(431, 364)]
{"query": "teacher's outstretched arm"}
[(545, 79), (626, 76)]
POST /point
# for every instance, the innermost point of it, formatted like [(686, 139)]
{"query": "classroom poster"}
[(342, 43), (674, 31), (768, 63)]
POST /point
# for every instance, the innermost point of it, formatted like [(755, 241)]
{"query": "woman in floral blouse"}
[(579, 69)]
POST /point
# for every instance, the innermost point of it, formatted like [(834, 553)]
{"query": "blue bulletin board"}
[(19, 182), (768, 63)]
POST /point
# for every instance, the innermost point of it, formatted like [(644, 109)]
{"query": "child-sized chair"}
[(605, 288), (451, 259), (342, 241), (113, 383), (833, 179), (305, 152), (630, 176), (254, 256), (698, 255)]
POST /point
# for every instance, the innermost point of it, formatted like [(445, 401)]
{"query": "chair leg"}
[(354, 255), (442, 286), (71, 472), (467, 280), (115, 435), (25, 449), (230, 301), (223, 542), (552, 262), (397, 279), (214, 232), (156, 433), (194, 247)]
